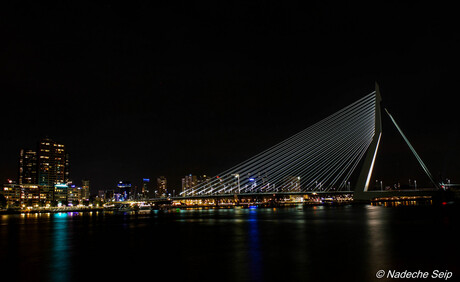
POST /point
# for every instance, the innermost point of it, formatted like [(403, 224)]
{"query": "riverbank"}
[(382, 202), (50, 210)]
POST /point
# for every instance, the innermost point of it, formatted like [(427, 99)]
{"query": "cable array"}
[(321, 157), (422, 164)]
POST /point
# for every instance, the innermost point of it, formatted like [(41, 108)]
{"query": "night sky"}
[(152, 88)]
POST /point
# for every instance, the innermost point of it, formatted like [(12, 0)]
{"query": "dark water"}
[(348, 243)]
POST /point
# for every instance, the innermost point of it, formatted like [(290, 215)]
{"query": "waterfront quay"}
[(228, 201), (264, 199), (50, 209), (254, 200), (209, 201)]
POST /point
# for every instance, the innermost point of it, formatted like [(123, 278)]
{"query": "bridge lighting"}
[(422, 164), (323, 155), (237, 175)]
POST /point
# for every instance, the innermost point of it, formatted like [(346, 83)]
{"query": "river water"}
[(345, 243)]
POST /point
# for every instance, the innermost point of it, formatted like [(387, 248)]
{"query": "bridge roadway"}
[(376, 195), (262, 194), (358, 197)]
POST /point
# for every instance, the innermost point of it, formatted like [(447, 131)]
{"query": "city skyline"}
[(48, 165), (179, 88)]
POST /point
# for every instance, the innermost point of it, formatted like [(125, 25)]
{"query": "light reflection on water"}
[(59, 266), (377, 238), (254, 248), (347, 243)]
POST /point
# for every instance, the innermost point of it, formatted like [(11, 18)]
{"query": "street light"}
[(237, 175)]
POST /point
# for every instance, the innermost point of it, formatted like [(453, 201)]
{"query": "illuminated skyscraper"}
[(145, 191), (190, 181), (162, 187), (27, 167), (85, 191), (52, 163), (46, 167), (124, 188)]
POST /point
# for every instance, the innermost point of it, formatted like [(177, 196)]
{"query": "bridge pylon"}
[(362, 184)]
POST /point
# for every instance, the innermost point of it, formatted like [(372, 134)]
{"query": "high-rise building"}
[(122, 194), (51, 163), (162, 187), (190, 181), (85, 191), (45, 167), (145, 191), (67, 168), (27, 167)]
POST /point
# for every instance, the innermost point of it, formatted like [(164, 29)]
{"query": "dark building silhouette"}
[(27, 167)]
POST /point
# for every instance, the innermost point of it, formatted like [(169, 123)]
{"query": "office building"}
[(60, 196), (190, 181), (74, 194), (145, 191), (27, 167), (51, 163), (12, 194), (30, 195), (122, 193), (162, 190), (85, 190), (45, 167)]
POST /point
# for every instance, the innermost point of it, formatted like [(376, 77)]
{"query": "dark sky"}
[(151, 88)]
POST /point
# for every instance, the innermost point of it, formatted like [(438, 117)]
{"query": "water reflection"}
[(59, 268), (396, 203), (377, 238), (254, 252), (348, 243)]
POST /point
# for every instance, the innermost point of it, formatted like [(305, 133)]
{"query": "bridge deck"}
[(370, 195), (263, 194), (363, 196)]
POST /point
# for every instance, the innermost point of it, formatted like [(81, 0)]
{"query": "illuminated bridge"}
[(321, 158)]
